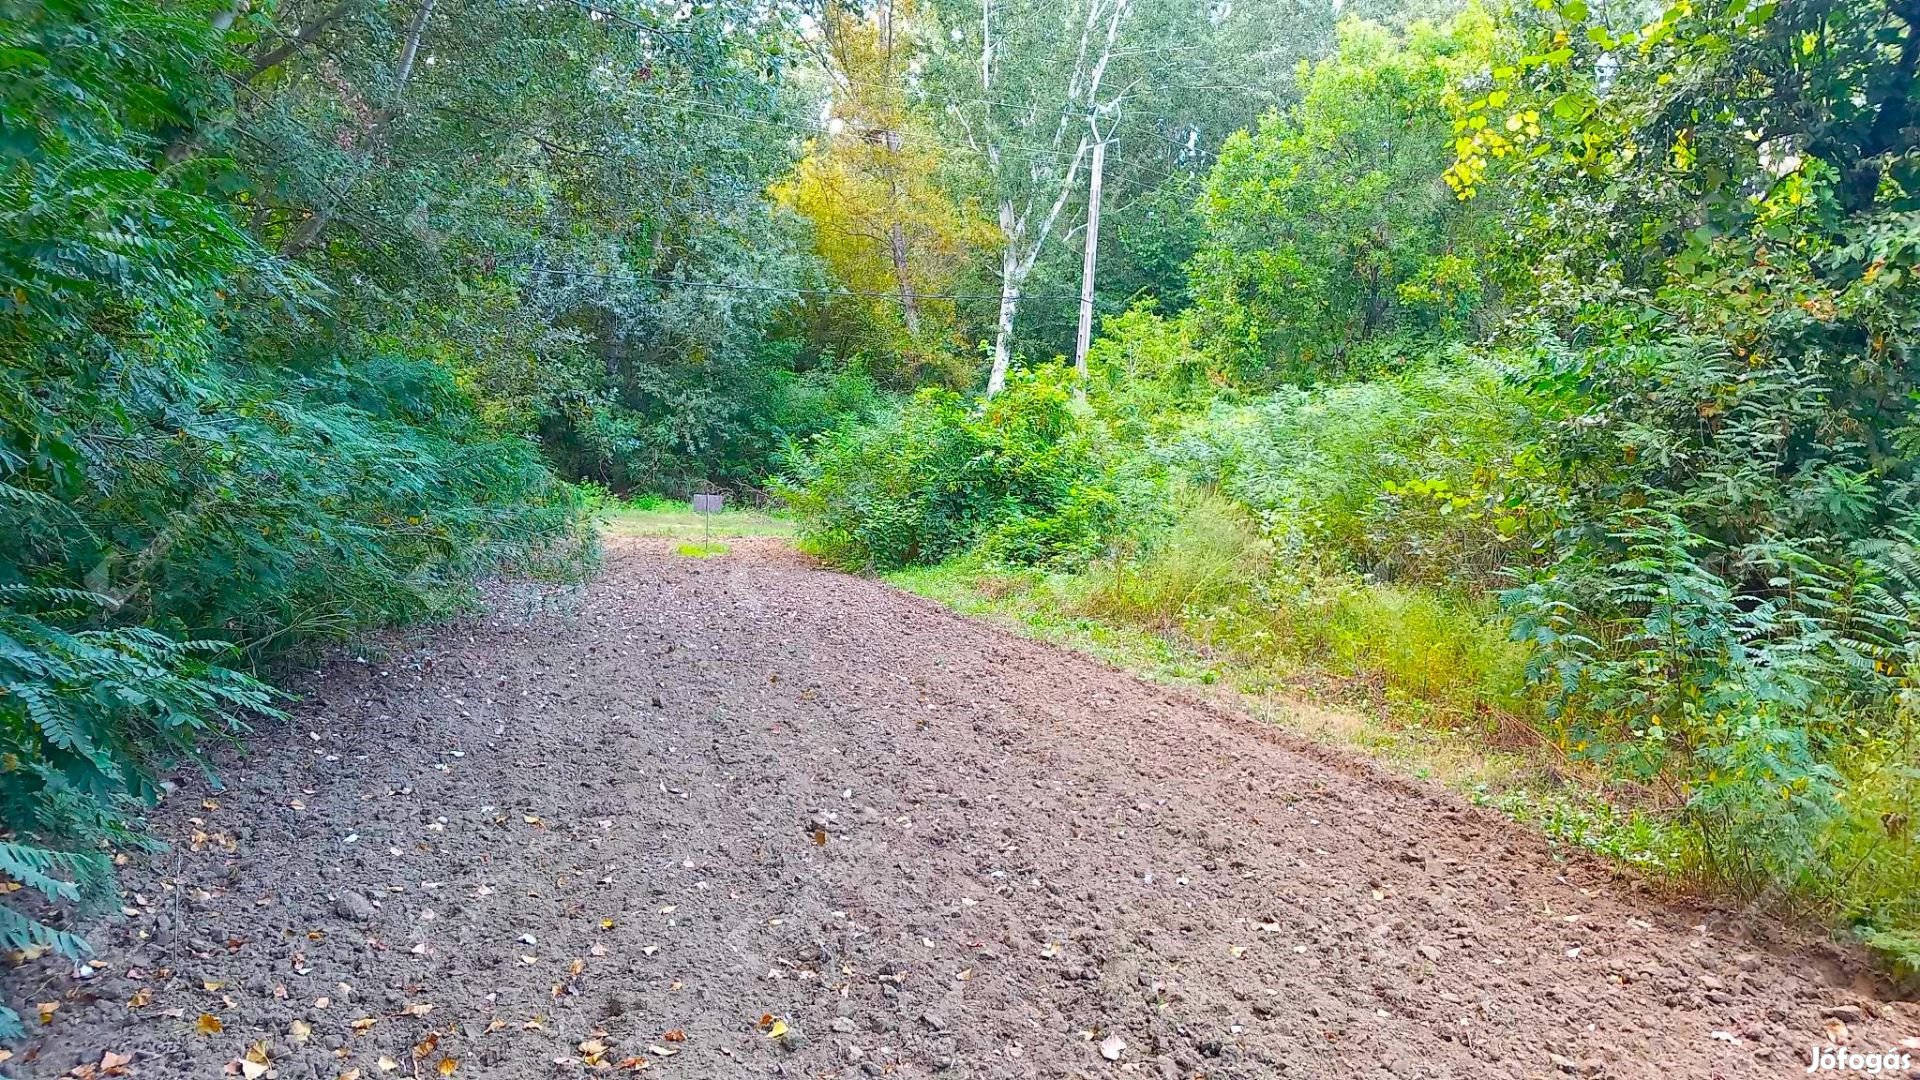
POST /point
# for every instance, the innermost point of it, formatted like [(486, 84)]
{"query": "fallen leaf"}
[(112, 1064), (46, 1010), (253, 1070), (776, 1029), (426, 1046), (819, 838), (213, 986), (606, 924), (634, 1064), (1112, 1047), (495, 1024), (676, 1035), (141, 998), (350, 1074), (209, 1024), (418, 1008), (386, 1064), (364, 1023), (446, 1066), (300, 1030)]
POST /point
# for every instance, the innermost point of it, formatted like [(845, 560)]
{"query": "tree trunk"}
[(909, 299), (1011, 277), (1085, 338)]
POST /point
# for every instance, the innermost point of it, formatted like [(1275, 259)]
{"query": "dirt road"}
[(723, 799)]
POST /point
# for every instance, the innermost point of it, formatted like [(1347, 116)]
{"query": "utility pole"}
[(1085, 339)]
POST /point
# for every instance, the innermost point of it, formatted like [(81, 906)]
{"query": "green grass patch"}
[(674, 520), (703, 549)]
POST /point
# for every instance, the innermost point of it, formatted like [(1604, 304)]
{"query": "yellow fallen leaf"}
[(606, 924), (446, 1066), (209, 1024), (141, 998), (46, 1010), (364, 1023), (213, 986), (300, 1030), (777, 1029), (257, 1052)]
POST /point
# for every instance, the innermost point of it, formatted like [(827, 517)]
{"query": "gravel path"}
[(728, 798)]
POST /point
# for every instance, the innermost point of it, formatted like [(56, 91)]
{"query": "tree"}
[(1327, 226), (1024, 103), (883, 219)]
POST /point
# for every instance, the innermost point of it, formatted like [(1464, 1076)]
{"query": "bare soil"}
[(723, 798)]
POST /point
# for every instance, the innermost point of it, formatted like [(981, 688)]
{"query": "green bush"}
[(1022, 476), (183, 499), (1405, 479)]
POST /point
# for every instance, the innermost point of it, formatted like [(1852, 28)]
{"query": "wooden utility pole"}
[(1085, 339)]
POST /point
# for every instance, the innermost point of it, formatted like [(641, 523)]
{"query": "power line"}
[(783, 290)]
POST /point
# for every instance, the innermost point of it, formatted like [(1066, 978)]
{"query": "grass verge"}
[(677, 521)]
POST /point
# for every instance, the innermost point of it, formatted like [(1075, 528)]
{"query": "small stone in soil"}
[(351, 905)]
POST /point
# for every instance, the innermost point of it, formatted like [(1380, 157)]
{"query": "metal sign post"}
[(709, 505)]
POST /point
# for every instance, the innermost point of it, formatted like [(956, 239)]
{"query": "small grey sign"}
[(708, 504)]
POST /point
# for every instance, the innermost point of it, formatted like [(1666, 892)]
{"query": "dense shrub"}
[(183, 499), (1411, 478), (1022, 476)]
